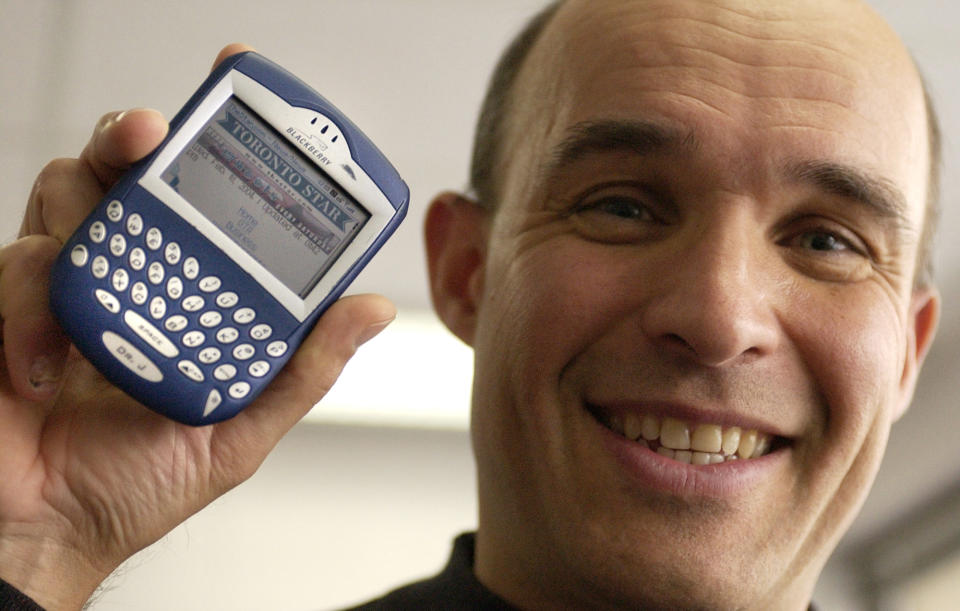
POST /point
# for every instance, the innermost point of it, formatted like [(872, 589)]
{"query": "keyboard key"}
[(191, 370), (210, 319), (137, 259), (154, 238), (79, 255), (172, 253), (277, 349), (214, 399), (191, 268), (130, 357), (175, 323), (244, 315), (227, 335), (225, 372), (258, 369), (100, 267), (107, 300), (244, 352), (174, 288), (192, 339), (118, 245), (158, 307), (134, 224), (120, 280), (139, 293), (227, 299), (210, 284), (193, 303), (115, 210), (155, 273), (208, 356), (239, 390), (150, 334), (261, 332), (98, 232)]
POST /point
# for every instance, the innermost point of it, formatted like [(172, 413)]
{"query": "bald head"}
[(825, 30)]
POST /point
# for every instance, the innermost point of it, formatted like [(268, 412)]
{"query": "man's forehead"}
[(805, 68), (802, 19), (773, 49)]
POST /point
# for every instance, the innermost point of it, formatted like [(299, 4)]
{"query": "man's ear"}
[(924, 315), (456, 231)]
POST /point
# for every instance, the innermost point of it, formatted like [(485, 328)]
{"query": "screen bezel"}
[(280, 115)]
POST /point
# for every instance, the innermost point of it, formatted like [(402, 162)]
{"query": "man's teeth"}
[(703, 444)]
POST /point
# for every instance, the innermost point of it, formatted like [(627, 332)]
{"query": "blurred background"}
[(367, 493)]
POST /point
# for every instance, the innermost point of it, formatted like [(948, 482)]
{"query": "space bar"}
[(150, 334)]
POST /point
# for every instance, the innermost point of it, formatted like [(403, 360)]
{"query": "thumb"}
[(347, 325), (316, 365)]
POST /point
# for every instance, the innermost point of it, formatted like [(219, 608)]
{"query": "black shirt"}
[(12, 599), (455, 588)]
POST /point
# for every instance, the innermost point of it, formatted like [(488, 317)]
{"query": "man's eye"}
[(622, 207), (822, 241), (615, 219), (828, 254), (828, 242)]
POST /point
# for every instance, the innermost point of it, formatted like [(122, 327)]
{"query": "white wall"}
[(336, 515)]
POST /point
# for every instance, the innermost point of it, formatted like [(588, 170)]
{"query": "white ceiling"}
[(411, 72)]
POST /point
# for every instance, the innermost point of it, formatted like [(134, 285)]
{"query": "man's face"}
[(708, 230)]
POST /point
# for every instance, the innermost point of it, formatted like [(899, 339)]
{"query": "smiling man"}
[(695, 275), (692, 286)]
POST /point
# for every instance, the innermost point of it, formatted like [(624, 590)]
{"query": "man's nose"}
[(712, 303)]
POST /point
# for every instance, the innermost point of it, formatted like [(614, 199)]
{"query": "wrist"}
[(54, 576)]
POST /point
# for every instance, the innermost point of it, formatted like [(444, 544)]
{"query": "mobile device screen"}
[(281, 210)]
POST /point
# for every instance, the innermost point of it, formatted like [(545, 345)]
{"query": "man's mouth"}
[(694, 444)]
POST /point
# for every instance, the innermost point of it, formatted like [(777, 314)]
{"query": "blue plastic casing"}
[(127, 334)]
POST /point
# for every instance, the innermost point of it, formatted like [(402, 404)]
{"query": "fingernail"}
[(45, 373), (123, 115), (372, 331), (127, 113)]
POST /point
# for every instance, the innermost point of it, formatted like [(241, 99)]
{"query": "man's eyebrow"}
[(640, 137), (877, 194), (634, 136)]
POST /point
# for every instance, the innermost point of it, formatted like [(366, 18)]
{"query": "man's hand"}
[(87, 475)]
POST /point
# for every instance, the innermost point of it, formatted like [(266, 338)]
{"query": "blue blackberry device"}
[(201, 271)]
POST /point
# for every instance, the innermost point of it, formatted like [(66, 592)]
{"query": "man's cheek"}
[(550, 291), (854, 365)]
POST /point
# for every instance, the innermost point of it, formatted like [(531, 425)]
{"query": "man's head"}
[(707, 222)]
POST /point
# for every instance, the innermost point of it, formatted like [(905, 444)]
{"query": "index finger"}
[(231, 49), (68, 189), (119, 140)]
